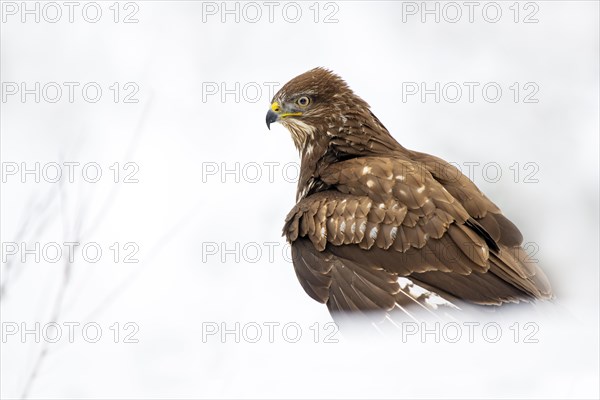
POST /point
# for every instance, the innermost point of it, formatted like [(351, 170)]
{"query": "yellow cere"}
[(276, 108)]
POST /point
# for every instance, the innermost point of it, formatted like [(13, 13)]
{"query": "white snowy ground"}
[(208, 241)]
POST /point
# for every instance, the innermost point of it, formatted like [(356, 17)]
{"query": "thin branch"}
[(76, 233)]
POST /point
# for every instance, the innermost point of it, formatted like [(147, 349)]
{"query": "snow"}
[(214, 186)]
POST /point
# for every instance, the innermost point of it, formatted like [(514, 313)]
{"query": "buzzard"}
[(378, 227)]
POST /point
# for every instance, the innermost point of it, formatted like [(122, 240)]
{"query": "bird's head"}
[(313, 103)]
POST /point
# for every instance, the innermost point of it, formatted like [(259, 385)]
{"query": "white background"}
[(175, 213)]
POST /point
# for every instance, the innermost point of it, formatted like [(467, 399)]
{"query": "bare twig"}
[(74, 231)]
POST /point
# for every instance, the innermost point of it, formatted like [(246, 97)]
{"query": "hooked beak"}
[(272, 116), (275, 114)]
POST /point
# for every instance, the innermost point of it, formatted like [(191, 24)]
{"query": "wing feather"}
[(387, 217)]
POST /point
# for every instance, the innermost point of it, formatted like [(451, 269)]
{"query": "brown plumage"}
[(370, 211)]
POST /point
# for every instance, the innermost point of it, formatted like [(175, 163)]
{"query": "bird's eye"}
[(303, 101)]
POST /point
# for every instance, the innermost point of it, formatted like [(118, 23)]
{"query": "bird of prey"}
[(378, 227)]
